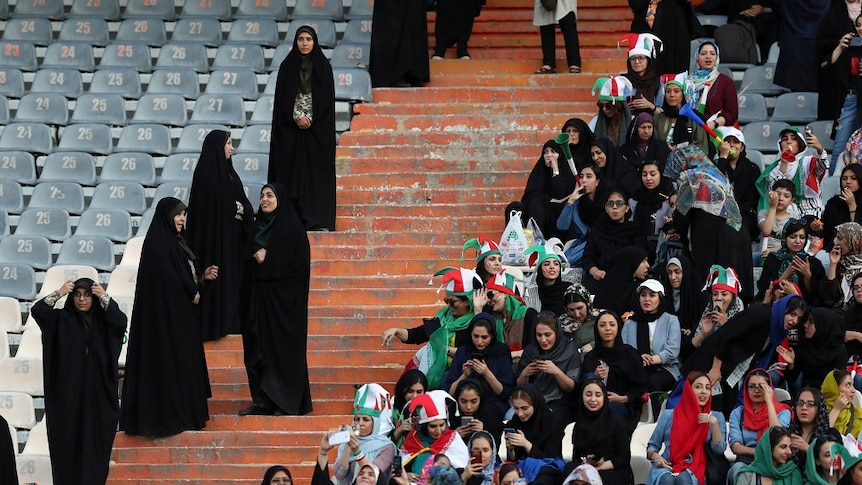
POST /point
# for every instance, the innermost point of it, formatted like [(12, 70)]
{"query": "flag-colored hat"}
[(721, 278), (484, 247), (845, 455), (615, 88), (680, 80), (552, 249), (796, 133), (644, 44), (431, 405), (371, 399), (504, 283), (460, 281)]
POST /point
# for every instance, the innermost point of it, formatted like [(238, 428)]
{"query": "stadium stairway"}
[(420, 171)]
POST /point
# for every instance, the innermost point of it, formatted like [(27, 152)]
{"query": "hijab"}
[(826, 346), (851, 233), (702, 79), (649, 201), (758, 420), (646, 84), (619, 284), (407, 379), (541, 424), (270, 473), (837, 211), (487, 472), (622, 359), (777, 333), (568, 324), (686, 301), (494, 349), (784, 256), (613, 161), (306, 61), (265, 221), (168, 218), (370, 447), (821, 424), (551, 296), (580, 150), (639, 145), (488, 413), (642, 320), (687, 435), (541, 175), (439, 340), (564, 354), (604, 127), (593, 428), (95, 309), (843, 424), (811, 468), (785, 474)]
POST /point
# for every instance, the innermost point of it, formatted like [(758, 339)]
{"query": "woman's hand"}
[(353, 444), (844, 41), (614, 397), (324, 444), (406, 424), (714, 375), (812, 141), (471, 470), (480, 298), (479, 366), (852, 335), (841, 403), (196, 299), (707, 323), (641, 103), (547, 366), (650, 359), (260, 255), (835, 255), (768, 394), (574, 196), (211, 273), (602, 370), (660, 462), (706, 418), (847, 196), (97, 290), (753, 11), (597, 274), (531, 369), (801, 266), (517, 439), (303, 123), (66, 288), (798, 443)]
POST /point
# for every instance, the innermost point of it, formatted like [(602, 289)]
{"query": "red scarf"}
[(687, 436), (413, 444), (758, 420)]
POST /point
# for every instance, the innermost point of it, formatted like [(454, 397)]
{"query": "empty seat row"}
[(799, 107), (763, 135), (35, 251)]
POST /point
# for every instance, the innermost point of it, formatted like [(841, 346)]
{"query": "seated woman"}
[(619, 366), (684, 291), (674, 128), (368, 443), (649, 203), (819, 350), (431, 436), (477, 412), (810, 421), (547, 277), (411, 383), (853, 326), (820, 466), (759, 411), (845, 260), (641, 72), (579, 321), (723, 305), (448, 329), (601, 436), (483, 462), (537, 439), (838, 390), (276, 475), (551, 178), (581, 210), (613, 118), (484, 358), (507, 474), (771, 463), (552, 364), (606, 156), (489, 259), (656, 336), (792, 263), (502, 299), (618, 290), (844, 206), (714, 94), (640, 145), (367, 474), (684, 432), (580, 139)]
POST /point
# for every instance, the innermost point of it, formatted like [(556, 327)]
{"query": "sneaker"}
[(466, 56), (436, 58)]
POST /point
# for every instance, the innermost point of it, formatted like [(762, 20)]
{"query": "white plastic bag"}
[(534, 234), (513, 242)]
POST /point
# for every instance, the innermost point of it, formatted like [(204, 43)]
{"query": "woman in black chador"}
[(302, 147), (276, 324), (81, 344), (220, 223), (166, 385)]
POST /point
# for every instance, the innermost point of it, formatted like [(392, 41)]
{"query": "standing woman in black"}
[(454, 25), (276, 324), (166, 385), (399, 44), (302, 148), (220, 223)]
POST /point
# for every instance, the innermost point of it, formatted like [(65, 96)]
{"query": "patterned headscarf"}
[(568, 324), (851, 234), (702, 185)]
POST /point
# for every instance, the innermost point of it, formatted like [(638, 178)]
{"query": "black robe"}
[(743, 179), (454, 24), (835, 79), (166, 385), (676, 25), (797, 67), (542, 186), (217, 234), (399, 43), (275, 329), (8, 448), (628, 173), (304, 160), (80, 370), (837, 211)]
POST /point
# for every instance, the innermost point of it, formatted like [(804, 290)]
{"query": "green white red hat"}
[(615, 88), (504, 283), (680, 79), (552, 249), (644, 44), (484, 247), (371, 399), (431, 406), (460, 281), (721, 278)]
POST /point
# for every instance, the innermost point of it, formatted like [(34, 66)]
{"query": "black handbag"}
[(549, 4), (717, 467)]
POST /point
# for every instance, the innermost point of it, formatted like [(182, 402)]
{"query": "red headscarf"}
[(687, 436), (758, 420)]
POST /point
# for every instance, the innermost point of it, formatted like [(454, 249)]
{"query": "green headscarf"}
[(442, 338), (785, 474), (812, 471)]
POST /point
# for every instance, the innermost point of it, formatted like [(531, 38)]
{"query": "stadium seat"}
[(774, 50), (11, 82), (752, 107), (10, 315), (192, 138), (114, 224), (18, 166), (108, 109), (4, 9), (128, 196), (17, 280), (124, 277), (123, 81), (254, 31), (34, 30), (164, 109), (67, 82), (318, 9), (52, 9), (797, 108), (325, 31), (132, 252), (352, 84), (276, 10), (128, 55), (60, 273), (248, 56), (181, 81), (4, 110), (205, 31), (129, 167), (146, 219), (51, 223), (251, 167), (233, 81), (361, 9), (4, 353), (351, 55), (185, 55), (179, 167), (33, 251), (262, 110), (342, 116), (58, 195), (48, 108), (18, 55), (758, 79), (277, 58), (95, 251), (252, 191), (830, 186), (77, 167), (33, 468), (30, 346), (255, 138), (91, 137), (11, 196), (90, 30), (640, 465), (4, 223), (227, 109), (756, 157), (763, 135), (103, 9), (357, 32), (219, 9), (37, 443), (163, 9), (74, 55), (823, 130), (179, 190), (150, 31)]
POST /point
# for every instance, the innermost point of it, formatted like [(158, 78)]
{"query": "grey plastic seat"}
[(4, 223), (352, 84), (75, 55), (34, 251), (242, 82), (50, 223), (192, 138), (179, 190), (35, 30), (350, 55), (774, 50), (58, 195), (67, 82), (226, 109), (755, 157), (11, 82), (252, 191), (146, 219), (123, 81), (248, 56), (342, 116), (277, 58), (358, 31), (4, 111), (166, 109), (93, 31), (752, 107), (147, 8), (330, 9), (95, 251), (4, 9), (759, 79), (823, 130), (274, 9), (202, 30), (114, 224), (797, 108), (150, 31), (17, 281), (219, 9), (48, 108), (262, 110), (181, 81), (93, 138), (185, 55), (325, 30), (128, 196), (103, 9), (179, 167), (129, 167), (77, 167), (255, 138), (254, 31), (33, 137), (763, 135), (11, 196), (18, 55), (125, 54), (18, 165), (52, 9), (148, 138), (109, 109), (251, 167)]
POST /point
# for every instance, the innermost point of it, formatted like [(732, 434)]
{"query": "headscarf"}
[(702, 80), (564, 354), (785, 474), (687, 436), (566, 322), (830, 392), (701, 185), (826, 347), (821, 421), (494, 349), (86, 318), (540, 177), (613, 160), (306, 62), (179, 235), (777, 333), (623, 360), (593, 428), (407, 379), (812, 470), (581, 150), (443, 475), (837, 211), (639, 145), (584, 473), (784, 255), (370, 447), (603, 128), (758, 421), (267, 477), (487, 472), (513, 310), (619, 284), (265, 221), (686, 301), (646, 84), (850, 264), (649, 201)]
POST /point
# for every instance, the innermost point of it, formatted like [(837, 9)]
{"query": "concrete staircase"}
[(421, 171)]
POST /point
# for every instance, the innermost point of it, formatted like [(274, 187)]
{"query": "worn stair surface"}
[(420, 171)]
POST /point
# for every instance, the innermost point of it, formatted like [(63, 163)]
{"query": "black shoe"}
[(256, 410)]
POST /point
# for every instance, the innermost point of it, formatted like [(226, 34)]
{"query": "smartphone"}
[(509, 430), (339, 437), (802, 255), (477, 356), (475, 457), (354, 429), (808, 130), (582, 191), (855, 41), (466, 420), (396, 466)]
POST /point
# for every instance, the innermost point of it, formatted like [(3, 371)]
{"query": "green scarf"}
[(812, 470), (786, 474), (763, 185), (441, 338)]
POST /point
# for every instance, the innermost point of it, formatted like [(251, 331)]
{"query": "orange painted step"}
[(407, 179), (458, 123), (217, 472), (323, 405), (272, 437), (329, 357), (383, 239), (484, 95), (234, 342), (223, 454), (387, 202), (512, 109), (373, 223), (434, 139), (518, 161), (358, 313), (436, 158), (319, 390), (504, 67), (443, 206)]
